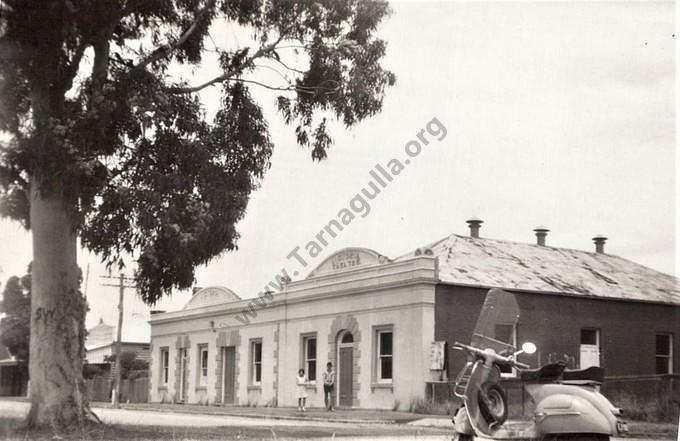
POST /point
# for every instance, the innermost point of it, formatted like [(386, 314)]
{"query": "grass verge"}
[(10, 429)]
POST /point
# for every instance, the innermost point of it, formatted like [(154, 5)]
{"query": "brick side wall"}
[(554, 323), (651, 396)]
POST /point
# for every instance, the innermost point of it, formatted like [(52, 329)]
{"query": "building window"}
[(664, 354), (309, 356), (256, 362), (590, 348), (384, 355), (506, 333), (165, 364), (203, 365), (589, 337)]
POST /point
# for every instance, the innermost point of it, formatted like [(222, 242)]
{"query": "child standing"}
[(328, 384), (301, 392)]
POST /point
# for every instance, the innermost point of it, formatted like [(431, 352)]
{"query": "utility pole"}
[(121, 294), (87, 278)]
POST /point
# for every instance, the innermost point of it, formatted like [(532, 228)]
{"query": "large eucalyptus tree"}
[(108, 143)]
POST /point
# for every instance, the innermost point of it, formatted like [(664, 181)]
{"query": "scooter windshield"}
[(496, 322)]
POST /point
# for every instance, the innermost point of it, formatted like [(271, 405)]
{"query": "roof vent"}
[(475, 224), (599, 240), (541, 233)]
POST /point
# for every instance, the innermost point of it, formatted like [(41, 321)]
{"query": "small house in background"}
[(100, 343), (13, 375), (387, 325)]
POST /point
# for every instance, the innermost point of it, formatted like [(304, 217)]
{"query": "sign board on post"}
[(437, 355)]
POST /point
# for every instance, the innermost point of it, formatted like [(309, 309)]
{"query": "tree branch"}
[(266, 86), (286, 66), (163, 51), (233, 75), (192, 89), (280, 74), (71, 68), (221, 78), (263, 51), (100, 66)]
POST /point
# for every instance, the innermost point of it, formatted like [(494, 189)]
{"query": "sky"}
[(556, 114)]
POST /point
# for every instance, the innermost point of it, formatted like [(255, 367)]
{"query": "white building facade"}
[(372, 318)]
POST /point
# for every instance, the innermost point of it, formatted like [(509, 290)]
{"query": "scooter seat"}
[(545, 374), (592, 374)]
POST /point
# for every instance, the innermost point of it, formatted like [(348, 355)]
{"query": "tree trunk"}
[(57, 388)]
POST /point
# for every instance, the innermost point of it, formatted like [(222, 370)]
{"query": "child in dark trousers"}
[(328, 385)]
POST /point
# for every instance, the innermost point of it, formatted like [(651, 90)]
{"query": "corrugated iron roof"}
[(496, 263)]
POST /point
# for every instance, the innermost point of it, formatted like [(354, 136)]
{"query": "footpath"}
[(638, 429), (356, 416), (283, 416)]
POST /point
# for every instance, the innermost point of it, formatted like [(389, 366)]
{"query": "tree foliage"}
[(15, 329), (90, 94)]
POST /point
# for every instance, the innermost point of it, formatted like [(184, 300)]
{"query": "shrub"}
[(138, 373), (93, 370), (425, 407), (662, 410), (128, 363)]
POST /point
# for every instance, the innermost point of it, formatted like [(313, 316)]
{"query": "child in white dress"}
[(301, 391)]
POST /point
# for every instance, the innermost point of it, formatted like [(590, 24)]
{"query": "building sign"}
[(348, 259), (437, 355), (344, 260)]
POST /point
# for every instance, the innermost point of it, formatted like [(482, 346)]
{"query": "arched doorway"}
[(345, 368)]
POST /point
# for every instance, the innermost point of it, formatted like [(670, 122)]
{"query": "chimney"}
[(599, 243), (195, 289), (475, 224), (541, 233)]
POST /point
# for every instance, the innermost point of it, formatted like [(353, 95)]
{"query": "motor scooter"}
[(567, 404)]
